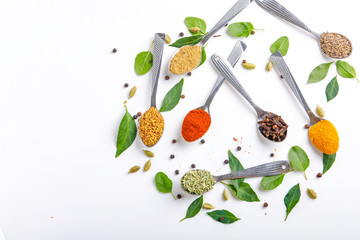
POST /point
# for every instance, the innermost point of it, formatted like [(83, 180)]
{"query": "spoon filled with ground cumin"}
[(322, 133), (333, 45), (188, 57), (151, 124), (197, 122)]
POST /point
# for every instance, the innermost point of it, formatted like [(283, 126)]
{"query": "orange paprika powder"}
[(195, 124)]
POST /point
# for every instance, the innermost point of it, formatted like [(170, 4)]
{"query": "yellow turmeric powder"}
[(325, 137)]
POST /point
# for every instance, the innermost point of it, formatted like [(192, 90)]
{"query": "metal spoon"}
[(226, 71), (277, 9), (149, 133), (280, 65), (263, 170), (236, 9)]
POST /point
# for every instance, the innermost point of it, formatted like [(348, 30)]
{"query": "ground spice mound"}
[(335, 45), (195, 124), (325, 137), (185, 60), (151, 127), (198, 181)]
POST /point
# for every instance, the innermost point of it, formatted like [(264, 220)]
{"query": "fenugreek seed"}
[(149, 153), (134, 169), (249, 66), (132, 92), (312, 194), (320, 112), (194, 30), (147, 165), (269, 66), (226, 194), (208, 206), (167, 39)]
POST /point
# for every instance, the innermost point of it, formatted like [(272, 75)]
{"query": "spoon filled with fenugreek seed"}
[(151, 124), (270, 125), (200, 181), (333, 45)]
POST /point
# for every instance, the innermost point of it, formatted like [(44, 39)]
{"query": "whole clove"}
[(273, 127)]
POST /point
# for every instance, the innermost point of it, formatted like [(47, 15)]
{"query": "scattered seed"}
[(179, 196), (306, 126), (238, 148), (167, 77), (266, 204), (132, 92), (181, 34), (126, 85), (249, 66), (225, 25), (252, 32), (208, 206), (139, 114), (226, 194), (312, 194), (189, 74), (320, 112), (135, 116), (319, 175), (226, 161), (194, 30), (217, 36), (221, 218), (177, 172), (193, 165), (167, 39), (172, 156), (202, 141), (269, 66), (147, 165), (272, 154), (183, 96), (174, 141), (134, 169), (281, 76), (114, 50), (244, 61), (149, 153)]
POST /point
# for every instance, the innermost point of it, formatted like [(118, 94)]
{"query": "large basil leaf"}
[(292, 198), (163, 183), (328, 160), (332, 89), (126, 134), (143, 62), (194, 208), (196, 22), (223, 216), (235, 166), (345, 70), (187, 41), (271, 182), (319, 73), (281, 44), (240, 29), (299, 160), (172, 97)]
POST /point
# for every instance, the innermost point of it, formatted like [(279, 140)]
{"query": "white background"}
[(61, 102)]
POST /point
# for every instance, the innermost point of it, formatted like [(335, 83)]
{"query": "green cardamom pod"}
[(167, 39), (134, 169), (194, 30), (208, 206), (148, 153), (226, 194), (269, 66), (147, 165), (249, 66), (320, 112), (132, 92), (311, 193)]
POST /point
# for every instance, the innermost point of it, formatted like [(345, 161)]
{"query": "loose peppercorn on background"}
[(62, 89)]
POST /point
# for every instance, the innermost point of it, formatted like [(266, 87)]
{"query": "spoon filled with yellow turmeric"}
[(188, 57), (322, 133)]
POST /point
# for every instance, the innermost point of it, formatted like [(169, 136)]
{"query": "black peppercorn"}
[(226, 161), (319, 175), (177, 172), (266, 204), (135, 116), (193, 165), (238, 148), (189, 74), (139, 114), (167, 77), (126, 85), (114, 50), (272, 154), (221, 218), (306, 126), (179, 196), (174, 141), (202, 141), (181, 34), (252, 32), (172, 156)]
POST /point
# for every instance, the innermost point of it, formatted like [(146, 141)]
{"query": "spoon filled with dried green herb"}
[(200, 181), (151, 124), (188, 57), (197, 122), (333, 45), (270, 125)]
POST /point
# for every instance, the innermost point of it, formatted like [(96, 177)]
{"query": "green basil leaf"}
[(223, 216), (281, 44), (299, 160), (319, 73), (246, 193), (240, 29), (235, 166), (196, 22), (126, 134), (163, 183), (172, 98), (332, 89), (194, 208), (292, 198), (203, 56), (187, 41), (271, 182), (143, 62), (328, 160), (345, 70)]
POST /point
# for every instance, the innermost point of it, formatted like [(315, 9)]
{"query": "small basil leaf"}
[(126, 134), (235, 166), (246, 193), (345, 70), (299, 160), (319, 73), (203, 56), (328, 160), (292, 198), (187, 41), (332, 89), (143, 62), (223, 216), (240, 29), (271, 182), (281, 44), (196, 22), (194, 208), (172, 98), (163, 183)]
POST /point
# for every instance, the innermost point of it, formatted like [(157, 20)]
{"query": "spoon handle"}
[(224, 68), (235, 10), (283, 69), (157, 57), (234, 57), (263, 170)]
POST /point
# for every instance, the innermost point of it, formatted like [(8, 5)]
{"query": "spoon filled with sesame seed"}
[(151, 125), (333, 45), (200, 181)]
